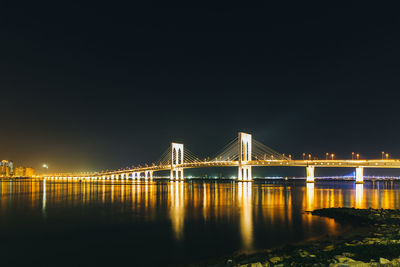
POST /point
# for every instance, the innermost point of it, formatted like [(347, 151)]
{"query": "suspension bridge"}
[(243, 152)]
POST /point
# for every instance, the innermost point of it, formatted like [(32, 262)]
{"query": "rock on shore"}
[(376, 243)]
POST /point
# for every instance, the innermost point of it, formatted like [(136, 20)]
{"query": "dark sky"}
[(106, 85)]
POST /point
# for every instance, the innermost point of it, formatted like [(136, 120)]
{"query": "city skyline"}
[(87, 94)]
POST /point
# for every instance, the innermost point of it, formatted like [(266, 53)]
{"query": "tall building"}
[(29, 172), (6, 168), (19, 171), (4, 171)]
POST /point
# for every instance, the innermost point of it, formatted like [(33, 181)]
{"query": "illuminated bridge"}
[(243, 152)]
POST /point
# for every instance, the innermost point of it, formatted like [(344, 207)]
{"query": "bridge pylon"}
[(176, 161), (245, 148)]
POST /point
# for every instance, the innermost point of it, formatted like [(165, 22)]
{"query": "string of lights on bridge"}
[(243, 152)]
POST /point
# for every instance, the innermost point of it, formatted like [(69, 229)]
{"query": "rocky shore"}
[(375, 241)]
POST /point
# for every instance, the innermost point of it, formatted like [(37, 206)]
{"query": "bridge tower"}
[(245, 148), (176, 160)]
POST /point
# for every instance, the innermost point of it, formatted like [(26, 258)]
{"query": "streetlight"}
[(332, 156), (352, 155), (45, 166), (304, 154), (309, 156), (387, 156), (383, 153), (326, 155), (358, 156)]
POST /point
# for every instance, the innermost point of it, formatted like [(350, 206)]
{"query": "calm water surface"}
[(53, 223)]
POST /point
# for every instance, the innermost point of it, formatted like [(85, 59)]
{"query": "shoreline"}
[(374, 240)]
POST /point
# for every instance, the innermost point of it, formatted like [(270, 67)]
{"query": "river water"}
[(110, 223)]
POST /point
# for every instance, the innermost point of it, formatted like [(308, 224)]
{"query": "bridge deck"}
[(375, 163)]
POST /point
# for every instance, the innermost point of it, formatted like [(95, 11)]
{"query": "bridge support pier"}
[(244, 173), (177, 174), (148, 174), (136, 175), (245, 148), (310, 174), (359, 175)]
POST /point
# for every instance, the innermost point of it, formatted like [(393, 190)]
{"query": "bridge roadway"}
[(148, 170), (243, 152)]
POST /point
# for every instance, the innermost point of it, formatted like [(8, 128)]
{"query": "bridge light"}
[(332, 156), (387, 156)]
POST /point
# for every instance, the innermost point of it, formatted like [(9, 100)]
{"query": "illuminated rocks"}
[(374, 241)]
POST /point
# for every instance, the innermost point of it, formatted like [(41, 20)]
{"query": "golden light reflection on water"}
[(246, 213), (177, 208), (310, 196), (359, 196), (44, 198), (277, 204), (252, 207)]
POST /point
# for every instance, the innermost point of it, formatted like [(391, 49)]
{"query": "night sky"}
[(104, 85)]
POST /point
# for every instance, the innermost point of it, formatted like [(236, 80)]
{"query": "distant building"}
[(6, 168), (29, 172), (19, 171), (4, 171)]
